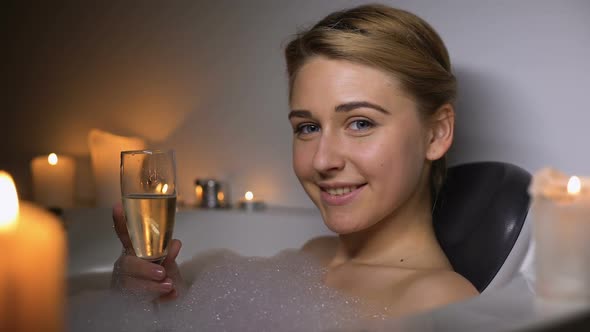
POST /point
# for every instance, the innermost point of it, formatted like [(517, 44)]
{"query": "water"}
[(229, 293)]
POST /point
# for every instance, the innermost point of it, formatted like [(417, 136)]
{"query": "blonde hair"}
[(388, 39)]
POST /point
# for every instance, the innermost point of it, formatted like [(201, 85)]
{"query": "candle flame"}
[(52, 159), (574, 185), (8, 202), (199, 191), (220, 196), (164, 188), (249, 195)]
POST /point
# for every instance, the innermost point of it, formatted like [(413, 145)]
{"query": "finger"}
[(135, 285), (169, 296), (120, 225), (138, 268), (173, 251)]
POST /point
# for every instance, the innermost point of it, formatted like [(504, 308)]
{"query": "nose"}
[(328, 157)]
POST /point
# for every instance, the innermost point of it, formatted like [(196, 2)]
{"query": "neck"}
[(405, 238)]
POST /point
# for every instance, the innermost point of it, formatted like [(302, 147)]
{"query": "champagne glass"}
[(148, 188)]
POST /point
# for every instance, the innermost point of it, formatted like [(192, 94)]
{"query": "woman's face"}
[(359, 144)]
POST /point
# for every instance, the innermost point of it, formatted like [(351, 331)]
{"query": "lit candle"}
[(561, 215), (221, 198), (249, 204), (53, 180), (198, 193), (210, 194), (32, 243)]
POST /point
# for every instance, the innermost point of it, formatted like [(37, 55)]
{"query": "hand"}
[(138, 276)]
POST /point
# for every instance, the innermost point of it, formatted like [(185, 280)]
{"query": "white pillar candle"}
[(53, 180), (105, 152), (32, 243), (561, 215)]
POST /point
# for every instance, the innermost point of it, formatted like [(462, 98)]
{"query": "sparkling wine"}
[(150, 222)]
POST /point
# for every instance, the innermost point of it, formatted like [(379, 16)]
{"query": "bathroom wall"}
[(207, 78)]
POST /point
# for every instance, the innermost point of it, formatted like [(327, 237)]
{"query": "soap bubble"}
[(228, 293), (282, 293), (110, 311)]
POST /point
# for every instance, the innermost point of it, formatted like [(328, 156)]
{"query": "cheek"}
[(394, 165), (302, 160)]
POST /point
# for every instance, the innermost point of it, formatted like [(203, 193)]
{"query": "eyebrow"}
[(346, 107), (300, 114)]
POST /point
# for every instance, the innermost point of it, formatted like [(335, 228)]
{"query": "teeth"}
[(340, 191)]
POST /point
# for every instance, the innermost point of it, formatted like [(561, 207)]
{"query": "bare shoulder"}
[(323, 248), (428, 290)]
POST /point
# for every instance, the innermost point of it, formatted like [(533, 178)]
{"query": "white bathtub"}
[(93, 245)]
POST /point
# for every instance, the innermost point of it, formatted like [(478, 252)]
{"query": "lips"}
[(340, 195), (340, 191)]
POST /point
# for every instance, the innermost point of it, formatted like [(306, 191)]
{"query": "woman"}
[(371, 98)]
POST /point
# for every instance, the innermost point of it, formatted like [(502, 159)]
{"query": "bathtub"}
[(93, 245)]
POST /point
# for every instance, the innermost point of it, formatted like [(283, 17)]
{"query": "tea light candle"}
[(33, 264), (249, 204), (561, 216), (53, 180)]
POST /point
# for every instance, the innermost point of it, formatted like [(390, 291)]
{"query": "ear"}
[(441, 126)]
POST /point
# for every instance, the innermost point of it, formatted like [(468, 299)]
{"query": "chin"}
[(344, 223)]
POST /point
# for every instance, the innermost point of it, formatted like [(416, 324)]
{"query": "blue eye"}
[(360, 125), (306, 128)]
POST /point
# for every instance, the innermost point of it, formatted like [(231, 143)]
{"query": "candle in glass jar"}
[(32, 243), (53, 180), (561, 216), (198, 193)]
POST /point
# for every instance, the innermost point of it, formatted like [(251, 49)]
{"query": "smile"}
[(341, 191), (340, 195)]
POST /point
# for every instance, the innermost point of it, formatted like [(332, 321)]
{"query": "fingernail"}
[(167, 285), (158, 273)]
